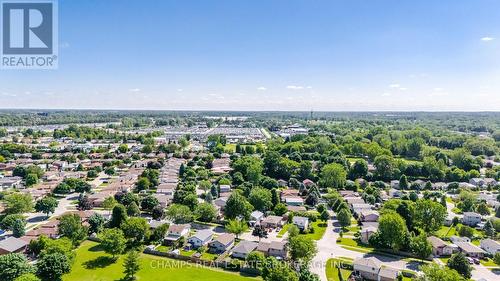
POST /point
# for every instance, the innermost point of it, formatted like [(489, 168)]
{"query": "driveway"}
[(481, 271)]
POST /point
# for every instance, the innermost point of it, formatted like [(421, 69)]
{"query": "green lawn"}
[(319, 230), (332, 272), (93, 264), (283, 230), (351, 244), (446, 231), (488, 262)]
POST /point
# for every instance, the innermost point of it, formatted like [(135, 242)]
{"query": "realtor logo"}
[(29, 34)]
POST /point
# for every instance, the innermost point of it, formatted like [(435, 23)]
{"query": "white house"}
[(10, 182), (255, 218), (301, 222), (176, 231), (471, 218), (201, 238), (491, 246)]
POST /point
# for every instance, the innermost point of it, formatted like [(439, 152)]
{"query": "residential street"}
[(328, 248)]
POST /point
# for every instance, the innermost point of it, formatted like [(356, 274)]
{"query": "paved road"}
[(480, 271), (328, 248), (65, 204)]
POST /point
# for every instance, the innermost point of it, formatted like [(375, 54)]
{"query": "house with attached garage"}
[(470, 250), (372, 269)]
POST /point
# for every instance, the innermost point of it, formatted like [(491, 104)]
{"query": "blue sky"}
[(268, 55)]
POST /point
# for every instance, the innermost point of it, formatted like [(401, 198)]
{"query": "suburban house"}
[(368, 215), (294, 201), (273, 249), (244, 248), (176, 231), (471, 218), (10, 182), (12, 245), (221, 243), (201, 238), (470, 250), (440, 248), (278, 249), (371, 269), (301, 222), (225, 188), (272, 222), (491, 246), (456, 239), (255, 218), (366, 233)]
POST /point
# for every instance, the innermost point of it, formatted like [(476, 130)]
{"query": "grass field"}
[(93, 264), (332, 272)]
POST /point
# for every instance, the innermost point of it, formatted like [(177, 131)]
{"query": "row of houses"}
[(224, 242), (462, 244)]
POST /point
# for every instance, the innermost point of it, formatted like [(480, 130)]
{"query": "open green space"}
[(336, 268), (92, 263)]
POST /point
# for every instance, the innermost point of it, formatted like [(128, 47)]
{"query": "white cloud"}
[(394, 86), (487, 39), (134, 90), (309, 87), (180, 90), (293, 87), (261, 88), (386, 94), (403, 89)]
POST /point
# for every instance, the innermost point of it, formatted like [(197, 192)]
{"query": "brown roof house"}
[(372, 269), (272, 222), (221, 243), (12, 245), (440, 248), (470, 250)]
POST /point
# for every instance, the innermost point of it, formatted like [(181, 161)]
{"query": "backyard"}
[(91, 263)]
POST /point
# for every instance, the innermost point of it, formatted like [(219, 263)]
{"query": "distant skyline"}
[(270, 55)]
